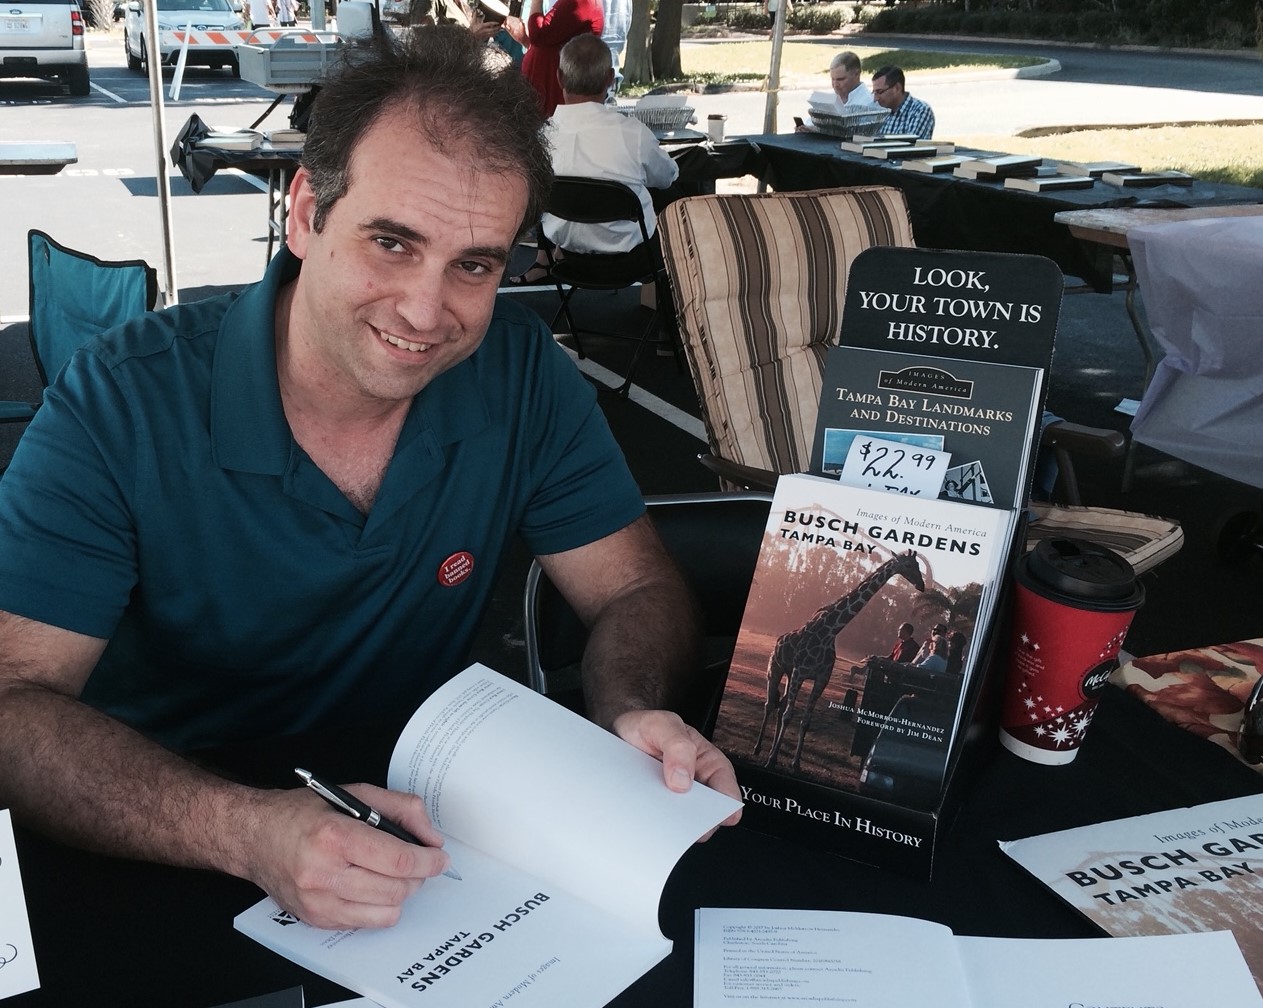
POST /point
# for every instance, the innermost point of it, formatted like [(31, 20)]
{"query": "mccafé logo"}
[(1098, 677)]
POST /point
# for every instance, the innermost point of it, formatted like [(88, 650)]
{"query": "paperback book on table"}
[(1186, 870), (821, 728), (929, 414), (563, 836)]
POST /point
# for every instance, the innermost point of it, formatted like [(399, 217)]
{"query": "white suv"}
[(177, 15), (44, 38)]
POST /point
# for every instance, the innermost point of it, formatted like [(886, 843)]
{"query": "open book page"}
[(510, 772), (774, 958), (17, 952), (1174, 971), (494, 938)]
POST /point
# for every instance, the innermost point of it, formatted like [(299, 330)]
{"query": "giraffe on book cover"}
[(809, 652)]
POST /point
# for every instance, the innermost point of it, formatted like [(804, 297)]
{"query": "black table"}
[(110, 932), (955, 213)]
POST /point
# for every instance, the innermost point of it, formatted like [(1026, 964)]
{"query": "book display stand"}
[(929, 419)]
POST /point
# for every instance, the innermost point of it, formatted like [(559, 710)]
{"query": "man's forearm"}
[(82, 777), (642, 651)]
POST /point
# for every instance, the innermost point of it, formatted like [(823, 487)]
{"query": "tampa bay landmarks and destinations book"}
[(563, 835), (785, 958), (978, 413), (1190, 869), (949, 351), (806, 702)]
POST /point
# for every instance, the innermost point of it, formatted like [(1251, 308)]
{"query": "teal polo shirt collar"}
[(248, 429)]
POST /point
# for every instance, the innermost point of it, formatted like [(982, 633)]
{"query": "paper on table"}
[(1175, 971), (773, 958), (17, 952)]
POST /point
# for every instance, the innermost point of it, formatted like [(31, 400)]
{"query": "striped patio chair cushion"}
[(1144, 540), (759, 283)]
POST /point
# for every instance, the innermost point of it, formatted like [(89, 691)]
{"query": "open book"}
[(564, 836), (775, 958)]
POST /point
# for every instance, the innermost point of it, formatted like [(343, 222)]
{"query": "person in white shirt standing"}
[(592, 140)]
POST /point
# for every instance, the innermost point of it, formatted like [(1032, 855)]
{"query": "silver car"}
[(44, 38), (205, 17)]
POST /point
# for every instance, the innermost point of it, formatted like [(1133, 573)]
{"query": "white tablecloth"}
[(1202, 285)]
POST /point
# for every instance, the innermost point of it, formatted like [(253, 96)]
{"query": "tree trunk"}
[(665, 47), (636, 66)]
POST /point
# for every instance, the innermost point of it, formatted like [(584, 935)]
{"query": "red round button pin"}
[(456, 568)]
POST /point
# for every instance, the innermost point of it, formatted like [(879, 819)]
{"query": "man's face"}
[(885, 94), (400, 284), (844, 81)]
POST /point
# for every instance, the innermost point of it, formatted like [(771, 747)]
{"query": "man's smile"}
[(399, 341)]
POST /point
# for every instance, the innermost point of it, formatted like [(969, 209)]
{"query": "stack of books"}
[(1145, 179), (287, 139), (1049, 182), (1002, 166), (243, 139), (935, 165), (868, 145), (919, 149), (1096, 168)]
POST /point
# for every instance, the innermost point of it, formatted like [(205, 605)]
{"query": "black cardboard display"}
[(839, 821)]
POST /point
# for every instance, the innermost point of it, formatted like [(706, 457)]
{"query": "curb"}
[(1250, 54)]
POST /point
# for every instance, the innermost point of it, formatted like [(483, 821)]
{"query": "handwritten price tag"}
[(895, 467)]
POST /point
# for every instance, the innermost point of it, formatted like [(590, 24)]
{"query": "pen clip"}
[(327, 795)]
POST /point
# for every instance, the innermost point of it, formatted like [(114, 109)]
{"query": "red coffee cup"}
[(1073, 602)]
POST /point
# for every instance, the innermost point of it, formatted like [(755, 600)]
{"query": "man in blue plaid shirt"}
[(907, 114)]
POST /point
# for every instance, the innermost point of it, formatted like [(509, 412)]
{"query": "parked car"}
[(44, 38), (177, 15)]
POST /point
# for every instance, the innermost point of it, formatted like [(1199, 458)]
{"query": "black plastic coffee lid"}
[(1082, 569)]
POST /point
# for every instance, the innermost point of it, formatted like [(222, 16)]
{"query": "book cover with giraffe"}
[(855, 651)]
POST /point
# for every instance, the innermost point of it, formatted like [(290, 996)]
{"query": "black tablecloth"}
[(954, 213), (111, 932)]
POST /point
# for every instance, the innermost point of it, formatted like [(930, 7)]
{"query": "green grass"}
[(1217, 153)]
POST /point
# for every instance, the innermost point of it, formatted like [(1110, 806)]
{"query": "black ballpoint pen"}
[(346, 802)]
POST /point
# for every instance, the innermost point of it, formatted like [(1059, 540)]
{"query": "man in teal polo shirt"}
[(279, 510)]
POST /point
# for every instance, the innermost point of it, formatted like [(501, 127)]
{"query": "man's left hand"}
[(685, 754)]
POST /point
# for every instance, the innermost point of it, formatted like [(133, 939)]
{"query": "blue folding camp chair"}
[(73, 297)]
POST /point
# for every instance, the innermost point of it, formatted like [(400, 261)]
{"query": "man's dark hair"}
[(891, 74), (462, 103), (585, 65)]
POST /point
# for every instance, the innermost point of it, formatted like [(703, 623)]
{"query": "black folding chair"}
[(714, 538), (601, 201)]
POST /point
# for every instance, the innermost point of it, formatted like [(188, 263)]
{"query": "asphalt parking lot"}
[(107, 202)]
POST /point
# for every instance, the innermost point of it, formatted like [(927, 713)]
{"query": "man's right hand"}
[(331, 870)]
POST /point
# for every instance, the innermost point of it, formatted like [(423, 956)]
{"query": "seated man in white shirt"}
[(590, 139), (848, 89)]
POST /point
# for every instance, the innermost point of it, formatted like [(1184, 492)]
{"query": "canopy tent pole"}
[(774, 75), (774, 69), (153, 56)]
